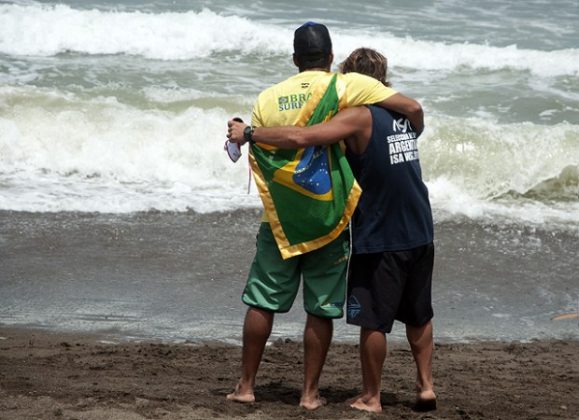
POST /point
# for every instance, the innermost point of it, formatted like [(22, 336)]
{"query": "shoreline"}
[(85, 376), (179, 276)]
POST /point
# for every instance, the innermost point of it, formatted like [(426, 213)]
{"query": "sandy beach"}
[(139, 317), (126, 233), (73, 376)]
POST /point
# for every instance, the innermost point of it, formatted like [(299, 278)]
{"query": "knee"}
[(418, 335)]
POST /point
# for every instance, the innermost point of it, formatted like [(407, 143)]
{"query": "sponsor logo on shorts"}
[(341, 260), (333, 305), (354, 307)]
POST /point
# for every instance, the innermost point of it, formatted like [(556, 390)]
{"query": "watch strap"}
[(248, 134)]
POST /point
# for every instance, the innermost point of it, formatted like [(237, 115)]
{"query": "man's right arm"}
[(347, 123)]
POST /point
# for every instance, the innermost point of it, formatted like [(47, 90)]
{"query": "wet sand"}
[(128, 317), (73, 376), (179, 276)]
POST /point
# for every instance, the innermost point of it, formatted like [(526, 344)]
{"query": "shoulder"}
[(266, 94), (356, 112), (266, 97), (278, 88), (392, 122), (359, 116), (362, 89), (384, 113), (356, 77)]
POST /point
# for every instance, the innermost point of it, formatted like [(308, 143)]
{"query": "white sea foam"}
[(449, 201), (63, 152), (44, 30), (162, 95), (166, 36), (480, 169), (489, 159), (428, 55), (100, 155)]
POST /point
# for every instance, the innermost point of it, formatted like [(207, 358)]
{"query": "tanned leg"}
[(422, 345), (256, 331), (372, 356), (317, 338)]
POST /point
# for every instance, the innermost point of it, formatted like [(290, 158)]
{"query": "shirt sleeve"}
[(365, 90), (257, 114)]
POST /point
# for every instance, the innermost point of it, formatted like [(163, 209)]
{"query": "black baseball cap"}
[(312, 39)]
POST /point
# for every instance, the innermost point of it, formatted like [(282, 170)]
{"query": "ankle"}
[(308, 395), (424, 384), (244, 387), (425, 394)]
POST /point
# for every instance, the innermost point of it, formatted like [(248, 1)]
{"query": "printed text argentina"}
[(403, 147)]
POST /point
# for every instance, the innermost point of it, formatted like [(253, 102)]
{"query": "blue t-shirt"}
[(394, 212)]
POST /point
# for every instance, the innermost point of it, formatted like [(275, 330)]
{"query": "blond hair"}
[(366, 61)]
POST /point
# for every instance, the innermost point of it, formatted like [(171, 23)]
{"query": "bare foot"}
[(370, 405), (352, 400), (313, 403), (241, 396), (425, 400), (425, 395)]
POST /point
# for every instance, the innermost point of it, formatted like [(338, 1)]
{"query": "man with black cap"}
[(274, 279), (391, 267)]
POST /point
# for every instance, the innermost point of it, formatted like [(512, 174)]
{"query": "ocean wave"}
[(563, 187), (42, 130), (67, 152), (62, 152), (427, 55), (489, 159), (485, 170), (56, 29)]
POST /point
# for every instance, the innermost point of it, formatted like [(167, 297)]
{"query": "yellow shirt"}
[(280, 104)]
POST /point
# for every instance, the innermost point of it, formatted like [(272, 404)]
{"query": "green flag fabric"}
[(310, 194)]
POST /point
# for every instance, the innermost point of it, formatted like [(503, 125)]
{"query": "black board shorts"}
[(388, 286)]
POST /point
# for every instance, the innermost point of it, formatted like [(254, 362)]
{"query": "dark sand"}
[(71, 376), (179, 276)]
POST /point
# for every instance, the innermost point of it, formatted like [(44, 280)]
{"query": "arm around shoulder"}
[(406, 106), (346, 123)]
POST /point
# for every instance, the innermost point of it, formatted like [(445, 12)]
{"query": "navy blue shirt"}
[(394, 212)]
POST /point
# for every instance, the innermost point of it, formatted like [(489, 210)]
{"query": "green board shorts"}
[(273, 282)]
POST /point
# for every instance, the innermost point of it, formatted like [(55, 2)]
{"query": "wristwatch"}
[(248, 134)]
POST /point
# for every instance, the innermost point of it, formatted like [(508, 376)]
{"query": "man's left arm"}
[(365, 90), (407, 107)]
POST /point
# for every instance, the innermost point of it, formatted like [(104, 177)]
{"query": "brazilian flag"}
[(310, 194)]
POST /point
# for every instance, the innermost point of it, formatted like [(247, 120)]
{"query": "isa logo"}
[(401, 125), (354, 307)]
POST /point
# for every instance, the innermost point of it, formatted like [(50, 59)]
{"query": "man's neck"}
[(316, 69)]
